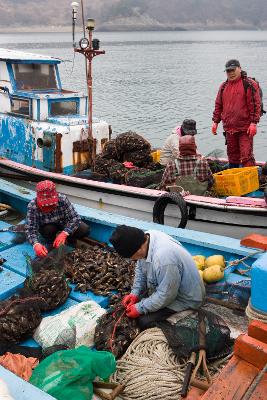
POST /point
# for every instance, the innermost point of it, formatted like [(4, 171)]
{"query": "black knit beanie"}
[(126, 240)]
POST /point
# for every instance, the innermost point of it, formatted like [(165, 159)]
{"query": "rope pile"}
[(251, 313), (149, 369)]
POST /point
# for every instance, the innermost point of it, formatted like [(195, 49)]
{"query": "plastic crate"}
[(237, 181), (156, 155)]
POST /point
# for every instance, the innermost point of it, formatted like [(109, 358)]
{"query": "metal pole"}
[(90, 89)]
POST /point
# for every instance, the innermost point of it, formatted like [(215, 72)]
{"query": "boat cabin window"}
[(21, 107), (35, 76), (63, 108)]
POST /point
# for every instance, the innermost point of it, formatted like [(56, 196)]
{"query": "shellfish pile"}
[(101, 271), (19, 318), (128, 146), (50, 285)]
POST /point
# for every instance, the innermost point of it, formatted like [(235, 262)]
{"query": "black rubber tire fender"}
[(161, 204)]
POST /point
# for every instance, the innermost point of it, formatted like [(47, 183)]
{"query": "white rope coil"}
[(253, 314), (149, 369)]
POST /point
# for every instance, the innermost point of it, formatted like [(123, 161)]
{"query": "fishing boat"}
[(237, 279), (44, 135)]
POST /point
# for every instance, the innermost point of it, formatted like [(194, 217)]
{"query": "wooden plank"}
[(251, 350), (258, 330), (233, 382)]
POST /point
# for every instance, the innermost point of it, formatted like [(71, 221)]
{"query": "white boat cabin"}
[(43, 125)]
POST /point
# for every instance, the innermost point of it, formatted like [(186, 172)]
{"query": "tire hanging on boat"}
[(161, 204)]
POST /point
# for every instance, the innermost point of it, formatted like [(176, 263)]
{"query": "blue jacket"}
[(168, 276)]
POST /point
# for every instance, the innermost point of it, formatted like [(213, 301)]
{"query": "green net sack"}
[(143, 177), (69, 374)]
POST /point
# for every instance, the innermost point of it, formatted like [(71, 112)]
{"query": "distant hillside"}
[(139, 14)]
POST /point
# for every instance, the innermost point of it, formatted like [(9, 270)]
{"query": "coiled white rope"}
[(253, 314), (149, 369)]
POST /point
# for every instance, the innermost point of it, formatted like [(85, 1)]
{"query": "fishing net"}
[(217, 165), (46, 279), (131, 141), (19, 317), (117, 172), (182, 333), (140, 158), (237, 293), (115, 331), (101, 271), (143, 177)]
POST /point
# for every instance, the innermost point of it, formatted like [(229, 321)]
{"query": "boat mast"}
[(90, 49)]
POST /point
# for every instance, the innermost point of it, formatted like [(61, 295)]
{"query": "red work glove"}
[(129, 299), (252, 130), (132, 311), (40, 250), (60, 239), (214, 128)]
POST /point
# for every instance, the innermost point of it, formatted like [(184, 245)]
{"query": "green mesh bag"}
[(69, 374)]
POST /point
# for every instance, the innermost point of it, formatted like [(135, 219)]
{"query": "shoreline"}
[(67, 29)]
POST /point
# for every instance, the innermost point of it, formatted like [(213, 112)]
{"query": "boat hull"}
[(210, 215)]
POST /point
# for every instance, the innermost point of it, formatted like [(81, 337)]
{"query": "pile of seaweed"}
[(130, 147), (101, 271)]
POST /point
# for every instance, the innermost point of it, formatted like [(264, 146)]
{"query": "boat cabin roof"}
[(21, 56)]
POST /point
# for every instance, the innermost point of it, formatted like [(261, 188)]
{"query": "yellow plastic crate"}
[(156, 155), (237, 181)]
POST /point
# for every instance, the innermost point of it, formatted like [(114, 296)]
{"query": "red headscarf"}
[(47, 196)]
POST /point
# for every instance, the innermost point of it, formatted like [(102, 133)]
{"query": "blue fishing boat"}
[(236, 278)]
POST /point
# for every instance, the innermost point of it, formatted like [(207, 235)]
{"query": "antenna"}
[(75, 7)]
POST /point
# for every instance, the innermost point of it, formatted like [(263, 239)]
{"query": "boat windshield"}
[(35, 76)]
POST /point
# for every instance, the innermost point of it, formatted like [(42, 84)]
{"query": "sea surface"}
[(149, 82)]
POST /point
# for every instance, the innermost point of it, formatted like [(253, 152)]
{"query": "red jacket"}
[(237, 107)]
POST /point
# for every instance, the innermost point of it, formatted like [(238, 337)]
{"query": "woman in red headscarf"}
[(189, 163), (52, 215)]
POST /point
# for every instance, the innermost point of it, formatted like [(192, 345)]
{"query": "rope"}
[(252, 314), (149, 369), (111, 340)]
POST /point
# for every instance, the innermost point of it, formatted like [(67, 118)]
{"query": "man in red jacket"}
[(238, 106)]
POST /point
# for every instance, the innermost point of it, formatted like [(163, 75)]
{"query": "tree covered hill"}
[(139, 14)]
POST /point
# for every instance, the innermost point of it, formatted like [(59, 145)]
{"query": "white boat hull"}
[(229, 220)]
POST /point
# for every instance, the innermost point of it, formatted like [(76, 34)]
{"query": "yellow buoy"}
[(213, 274), (217, 259), (200, 261)]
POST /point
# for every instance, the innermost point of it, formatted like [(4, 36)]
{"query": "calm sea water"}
[(150, 81)]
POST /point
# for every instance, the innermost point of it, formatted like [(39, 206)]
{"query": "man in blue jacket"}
[(166, 278)]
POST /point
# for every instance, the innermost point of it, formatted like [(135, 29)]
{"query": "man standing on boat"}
[(238, 106), (52, 215), (170, 149), (166, 278)]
